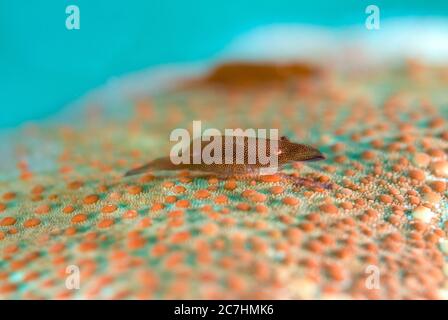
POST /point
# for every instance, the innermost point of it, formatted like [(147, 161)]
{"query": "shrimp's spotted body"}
[(286, 152)]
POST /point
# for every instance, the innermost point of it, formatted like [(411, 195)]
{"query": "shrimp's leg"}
[(306, 182)]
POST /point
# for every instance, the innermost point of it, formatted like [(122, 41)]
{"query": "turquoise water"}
[(44, 66)]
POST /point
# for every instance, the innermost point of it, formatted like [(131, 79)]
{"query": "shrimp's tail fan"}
[(157, 164)]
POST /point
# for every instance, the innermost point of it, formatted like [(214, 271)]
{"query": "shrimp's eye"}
[(284, 138)]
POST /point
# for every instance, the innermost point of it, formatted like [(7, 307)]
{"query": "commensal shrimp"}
[(286, 152)]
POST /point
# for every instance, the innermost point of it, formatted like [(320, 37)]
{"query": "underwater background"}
[(44, 66)]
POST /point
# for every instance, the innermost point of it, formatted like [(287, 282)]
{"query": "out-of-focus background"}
[(44, 66)]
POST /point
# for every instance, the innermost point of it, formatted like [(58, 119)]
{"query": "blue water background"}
[(44, 66)]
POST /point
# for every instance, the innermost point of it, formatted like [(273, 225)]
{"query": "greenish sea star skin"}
[(64, 201)]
